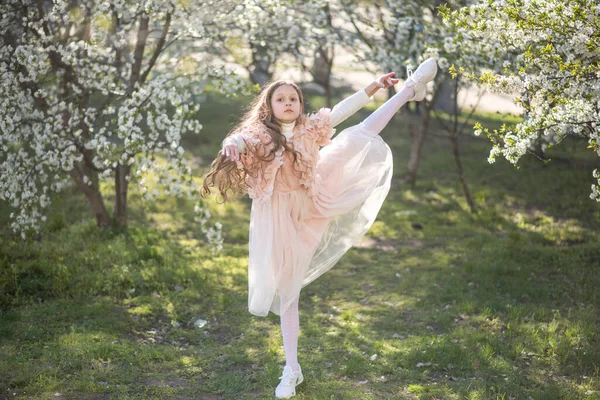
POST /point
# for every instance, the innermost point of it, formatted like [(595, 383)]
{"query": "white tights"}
[(290, 327), (290, 320), (375, 122)]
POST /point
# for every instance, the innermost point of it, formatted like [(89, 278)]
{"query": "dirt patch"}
[(412, 243), (388, 245), (207, 396), (89, 396), (94, 397), (170, 382)]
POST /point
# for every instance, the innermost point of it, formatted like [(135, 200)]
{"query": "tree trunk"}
[(454, 135), (321, 70), (446, 99), (260, 69), (121, 185), (461, 176), (93, 194), (418, 138), (90, 188), (538, 150)]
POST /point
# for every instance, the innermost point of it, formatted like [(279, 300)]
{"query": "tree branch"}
[(159, 47), (40, 7), (138, 54), (358, 31)]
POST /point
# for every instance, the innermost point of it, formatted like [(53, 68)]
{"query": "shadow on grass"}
[(480, 307), (114, 314)]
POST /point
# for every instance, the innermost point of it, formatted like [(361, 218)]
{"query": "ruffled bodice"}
[(281, 173)]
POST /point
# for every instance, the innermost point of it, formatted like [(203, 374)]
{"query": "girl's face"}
[(285, 104)]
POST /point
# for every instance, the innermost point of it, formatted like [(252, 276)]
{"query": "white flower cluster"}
[(78, 102), (399, 34), (390, 34), (549, 51), (270, 28), (213, 233), (595, 195)]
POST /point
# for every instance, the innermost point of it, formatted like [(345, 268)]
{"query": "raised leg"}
[(375, 122), (414, 90)]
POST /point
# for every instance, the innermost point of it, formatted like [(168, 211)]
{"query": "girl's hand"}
[(385, 81), (231, 151)]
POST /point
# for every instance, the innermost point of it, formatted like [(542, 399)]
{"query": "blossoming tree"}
[(398, 35), (258, 32), (92, 93), (552, 61)]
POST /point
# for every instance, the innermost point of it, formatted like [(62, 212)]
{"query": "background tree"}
[(324, 57), (259, 32), (451, 45), (551, 58), (398, 35), (91, 94)]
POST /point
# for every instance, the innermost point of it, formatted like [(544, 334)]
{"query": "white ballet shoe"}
[(289, 380), (419, 79)]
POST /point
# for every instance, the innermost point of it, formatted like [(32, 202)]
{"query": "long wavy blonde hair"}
[(225, 172)]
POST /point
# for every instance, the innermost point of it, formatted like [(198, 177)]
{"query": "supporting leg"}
[(375, 122), (290, 328)]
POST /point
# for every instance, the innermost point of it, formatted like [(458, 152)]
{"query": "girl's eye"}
[(293, 99)]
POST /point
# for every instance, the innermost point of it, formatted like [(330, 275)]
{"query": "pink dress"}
[(301, 227)]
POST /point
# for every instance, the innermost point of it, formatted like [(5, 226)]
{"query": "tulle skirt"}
[(294, 238)]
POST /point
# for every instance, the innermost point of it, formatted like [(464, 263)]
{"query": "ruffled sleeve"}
[(256, 145), (259, 173), (318, 127)]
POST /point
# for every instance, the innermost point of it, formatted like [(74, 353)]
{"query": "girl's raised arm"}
[(350, 105)]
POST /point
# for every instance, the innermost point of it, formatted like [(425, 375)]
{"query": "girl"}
[(312, 197)]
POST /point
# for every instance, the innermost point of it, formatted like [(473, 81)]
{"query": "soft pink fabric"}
[(301, 226)]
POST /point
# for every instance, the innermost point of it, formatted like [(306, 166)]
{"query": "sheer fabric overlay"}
[(299, 232)]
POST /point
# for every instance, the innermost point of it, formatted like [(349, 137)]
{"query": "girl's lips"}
[(288, 111)]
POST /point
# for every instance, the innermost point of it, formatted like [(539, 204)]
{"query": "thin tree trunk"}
[(138, 54), (454, 135), (121, 186), (461, 176), (328, 95), (321, 70), (418, 138), (391, 92), (136, 76), (260, 69), (94, 196), (538, 150), (85, 169)]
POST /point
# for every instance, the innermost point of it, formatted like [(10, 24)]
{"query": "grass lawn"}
[(435, 303)]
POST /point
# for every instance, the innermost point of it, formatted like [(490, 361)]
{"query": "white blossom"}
[(70, 113), (548, 51)]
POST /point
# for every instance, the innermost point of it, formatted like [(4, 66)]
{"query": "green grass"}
[(503, 304)]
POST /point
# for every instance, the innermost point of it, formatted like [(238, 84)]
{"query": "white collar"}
[(288, 129)]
